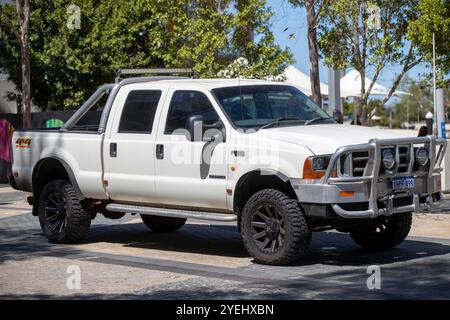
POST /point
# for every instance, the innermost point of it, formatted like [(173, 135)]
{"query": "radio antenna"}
[(240, 93)]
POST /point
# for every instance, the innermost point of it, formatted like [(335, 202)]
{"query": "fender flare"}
[(66, 166), (267, 171), (279, 174)]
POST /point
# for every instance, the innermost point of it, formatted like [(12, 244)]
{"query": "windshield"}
[(263, 105)]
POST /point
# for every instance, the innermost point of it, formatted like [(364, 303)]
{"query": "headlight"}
[(422, 156), (315, 167), (388, 159), (321, 163)]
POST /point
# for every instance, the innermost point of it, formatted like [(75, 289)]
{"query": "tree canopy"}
[(434, 16), (68, 63), (369, 36)]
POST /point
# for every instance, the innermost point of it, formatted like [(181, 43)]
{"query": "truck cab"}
[(257, 153)]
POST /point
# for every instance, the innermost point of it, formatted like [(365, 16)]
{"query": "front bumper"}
[(372, 194)]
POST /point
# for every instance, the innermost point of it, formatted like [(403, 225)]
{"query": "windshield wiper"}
[(278, 120), (315, 119)]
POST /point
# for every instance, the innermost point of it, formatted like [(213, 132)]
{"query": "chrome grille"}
[(355, 164), (403, 158), (359, 163)]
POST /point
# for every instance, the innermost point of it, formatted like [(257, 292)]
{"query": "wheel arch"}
[(256, 180), (49, 169)]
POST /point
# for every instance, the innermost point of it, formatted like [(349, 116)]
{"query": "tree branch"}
[(380, 65), (398, 79), (10, 23), (408, 65), (319, 9), (19, 12)]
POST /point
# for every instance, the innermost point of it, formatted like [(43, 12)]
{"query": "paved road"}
[(122, 259)]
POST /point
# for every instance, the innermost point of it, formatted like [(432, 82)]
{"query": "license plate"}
[(402, 183)]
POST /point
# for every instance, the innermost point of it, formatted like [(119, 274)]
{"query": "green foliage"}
[(369, 36), (434, 16), (349, 107), (242, 68), (412, 106), (68, 64), (347, 39)]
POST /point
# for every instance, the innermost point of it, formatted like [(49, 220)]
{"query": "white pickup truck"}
[(256, 152)]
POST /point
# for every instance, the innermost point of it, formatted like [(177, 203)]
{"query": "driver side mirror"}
[(337, 116), (201, 132), (194, 125)]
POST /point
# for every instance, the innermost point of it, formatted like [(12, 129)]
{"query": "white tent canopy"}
[(351, 86), (301, 80)]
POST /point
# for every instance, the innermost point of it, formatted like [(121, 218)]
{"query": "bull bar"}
[(367, 187)]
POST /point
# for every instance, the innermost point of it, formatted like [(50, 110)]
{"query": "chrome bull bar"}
[(372, 174)]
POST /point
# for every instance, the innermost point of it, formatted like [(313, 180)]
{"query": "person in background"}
[(423, 131), (6, 130)]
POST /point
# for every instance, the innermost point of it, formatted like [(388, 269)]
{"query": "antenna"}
[(240, 93)]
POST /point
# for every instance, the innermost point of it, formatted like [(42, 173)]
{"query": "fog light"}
[(388, 159), (422, 156)]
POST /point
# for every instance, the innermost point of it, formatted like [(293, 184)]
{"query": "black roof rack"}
[(154, 71)]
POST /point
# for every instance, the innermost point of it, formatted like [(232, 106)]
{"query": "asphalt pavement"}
[(122, 259)]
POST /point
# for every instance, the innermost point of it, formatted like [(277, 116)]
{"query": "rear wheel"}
[(274, 229), (61, 215), (384, 233), (162, 224)]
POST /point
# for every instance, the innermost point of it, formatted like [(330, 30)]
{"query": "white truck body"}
[(127, 168)]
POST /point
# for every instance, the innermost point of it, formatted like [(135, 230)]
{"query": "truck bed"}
[(81, 151)]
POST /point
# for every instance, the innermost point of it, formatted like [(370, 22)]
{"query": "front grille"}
[(359, 163), (355, 164), (404, 156)]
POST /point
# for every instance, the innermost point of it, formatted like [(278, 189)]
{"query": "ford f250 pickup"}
[(254, 152)]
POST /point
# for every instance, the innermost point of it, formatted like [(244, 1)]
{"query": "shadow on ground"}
[(424, 280), (327, 248)]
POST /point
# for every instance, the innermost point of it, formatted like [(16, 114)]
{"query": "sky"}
[(286, 16)]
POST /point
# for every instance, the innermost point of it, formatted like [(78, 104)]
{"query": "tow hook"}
[(389, 203)]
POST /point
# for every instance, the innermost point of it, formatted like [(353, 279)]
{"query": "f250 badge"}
[(23, 143)]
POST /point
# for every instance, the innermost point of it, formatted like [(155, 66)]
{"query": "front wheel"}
[(384, 233), (61, 215), (274, 229)]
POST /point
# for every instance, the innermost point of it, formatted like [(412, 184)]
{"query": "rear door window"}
[(139, 111)]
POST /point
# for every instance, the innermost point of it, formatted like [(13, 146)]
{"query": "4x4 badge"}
[(23, 143)]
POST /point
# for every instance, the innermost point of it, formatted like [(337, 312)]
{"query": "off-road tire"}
[(162, 224), (297, 234), (74, 220), (386, 233)]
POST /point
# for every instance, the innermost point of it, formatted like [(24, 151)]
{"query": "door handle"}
[(113, 149), (159, 151)]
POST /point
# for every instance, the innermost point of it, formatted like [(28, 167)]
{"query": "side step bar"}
[(173, 213)]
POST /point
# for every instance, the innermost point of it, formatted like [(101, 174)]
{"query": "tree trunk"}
[(313, 52), (356, 110), (26, 86), (23, 15)]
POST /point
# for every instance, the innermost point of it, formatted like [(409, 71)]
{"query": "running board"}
[(173, 213)]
